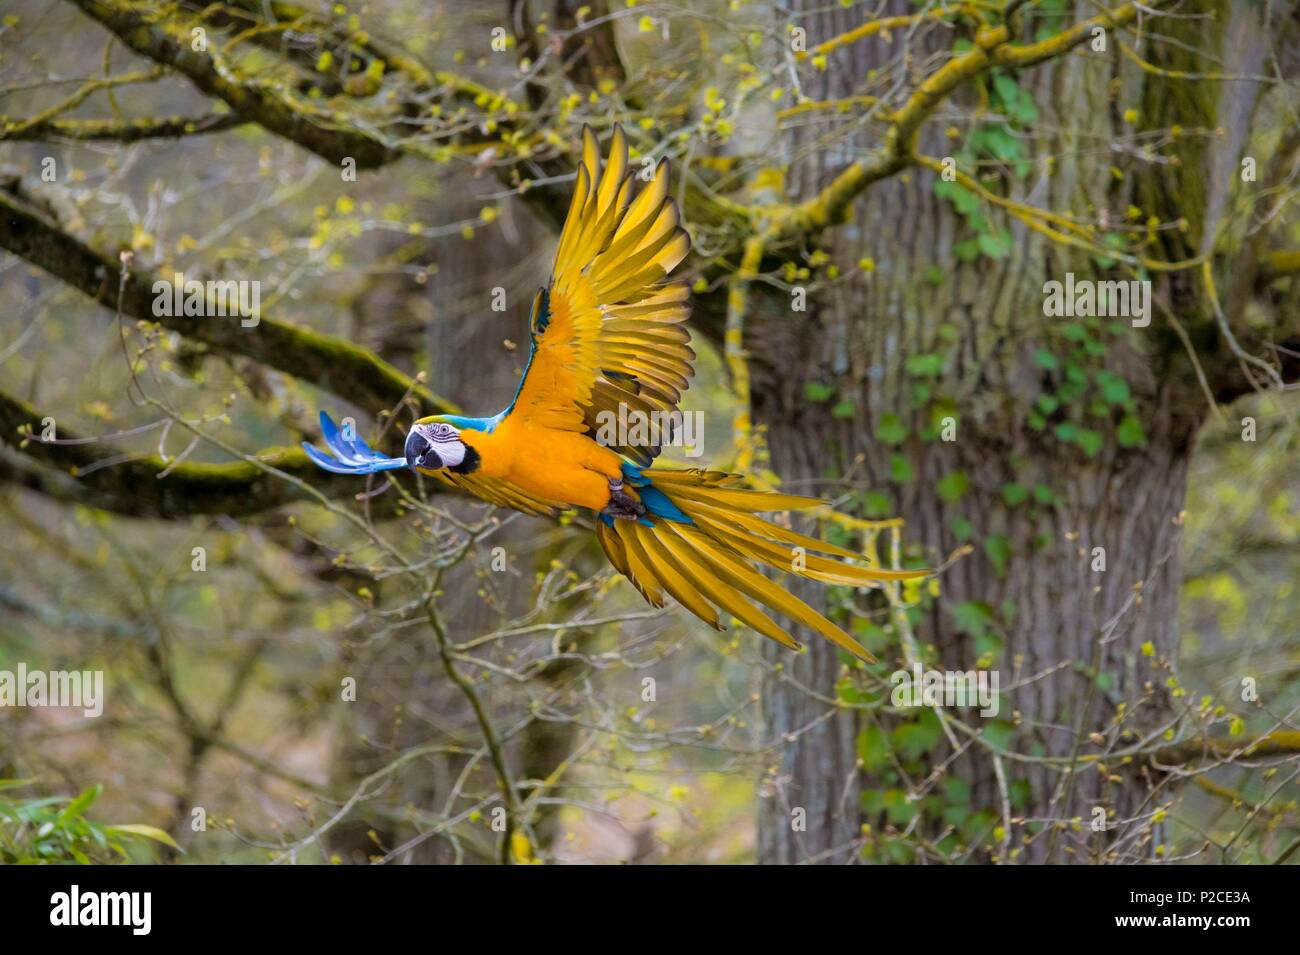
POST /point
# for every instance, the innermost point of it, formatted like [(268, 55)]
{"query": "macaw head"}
[(435, 442)]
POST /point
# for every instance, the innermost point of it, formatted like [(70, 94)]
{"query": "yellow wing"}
[(608, 331), (496, 492)]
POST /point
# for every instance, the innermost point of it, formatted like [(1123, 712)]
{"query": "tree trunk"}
[(1071, 641)]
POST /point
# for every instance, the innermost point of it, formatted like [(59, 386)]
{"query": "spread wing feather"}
[(608, 330), (497, 492)]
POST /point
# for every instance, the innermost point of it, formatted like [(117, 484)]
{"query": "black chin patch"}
[(470, 462)]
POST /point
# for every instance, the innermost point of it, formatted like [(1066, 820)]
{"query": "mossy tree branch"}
[(120, 131), (147, 486), (165, 35), (1277, 743), (348, 370), (992, 48)]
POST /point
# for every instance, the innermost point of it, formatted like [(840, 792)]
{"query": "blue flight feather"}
[(350, 456), (656, 501)]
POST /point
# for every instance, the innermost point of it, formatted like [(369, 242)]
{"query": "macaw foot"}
[(622, 505)]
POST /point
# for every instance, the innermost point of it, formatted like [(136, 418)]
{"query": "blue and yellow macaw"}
[(608, 331)]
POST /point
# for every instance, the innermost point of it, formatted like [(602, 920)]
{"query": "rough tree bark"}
[(986, 320)]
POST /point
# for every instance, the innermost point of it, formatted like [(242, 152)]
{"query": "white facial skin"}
[(445, 439)]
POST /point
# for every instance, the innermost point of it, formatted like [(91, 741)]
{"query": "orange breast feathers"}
[(567, 468)]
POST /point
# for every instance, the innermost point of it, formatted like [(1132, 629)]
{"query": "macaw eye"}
[(441, 430)]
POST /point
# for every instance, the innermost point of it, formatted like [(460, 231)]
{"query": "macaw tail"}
[(701, 540)]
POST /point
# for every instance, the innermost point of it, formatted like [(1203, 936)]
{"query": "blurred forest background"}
[(307, 668)]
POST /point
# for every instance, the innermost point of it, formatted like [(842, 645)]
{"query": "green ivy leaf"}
[(972, 617), (1046, 360), (817, 391), (924, 365), (1130, 434), (898, 808), (1014, 494), (996, 245), (877, 505), (1114, 389), (998, 550), (914, 739), (891, 429), (1000, 734), (1091, 441), (873, 749), (900, 469), (952, 486)]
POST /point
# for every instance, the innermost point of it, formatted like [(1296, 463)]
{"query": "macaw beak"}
[(420, 453)]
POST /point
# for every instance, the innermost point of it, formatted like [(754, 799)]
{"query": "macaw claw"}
[(622, 505)]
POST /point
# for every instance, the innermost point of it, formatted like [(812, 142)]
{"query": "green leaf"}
[(963, 200), (1046, 360), (914, 739), (891, 429), (900, 469), (78, 806), (952, 486), (1016, 101), (1113, 388), (1014, 494), (898, 809), (1043, 494), (998, 140), (843, 409), (955, 791), (962, 529), (1130, 434), (1091, 441), (996, 245), (998, 550), (924, 365), (873, 749), (147, 832), (972, 617), (877, 505), (1000, 734), (1006, 88), (817, 391)]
